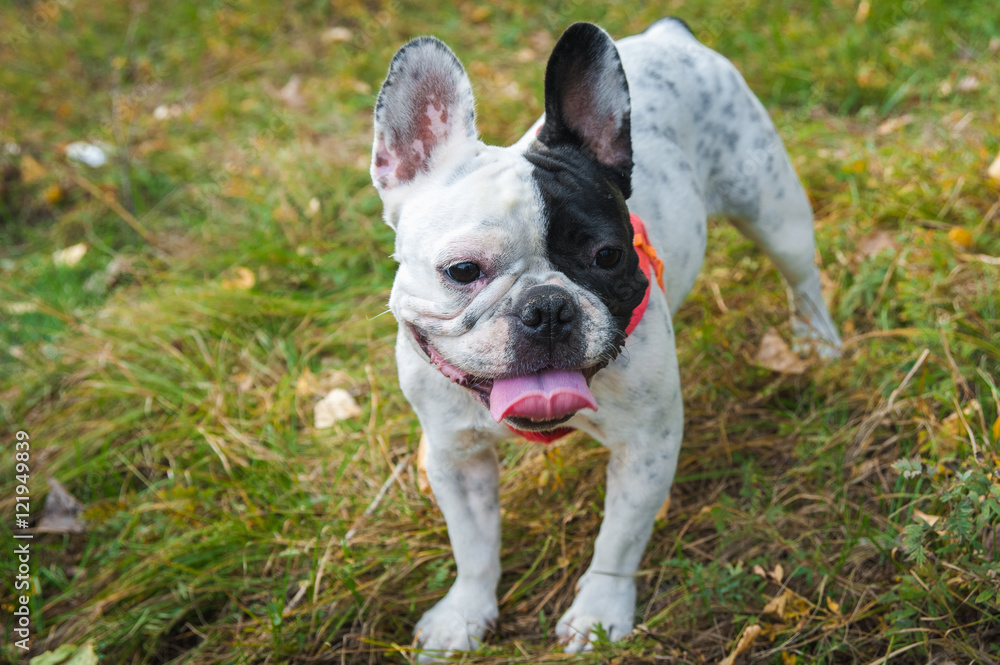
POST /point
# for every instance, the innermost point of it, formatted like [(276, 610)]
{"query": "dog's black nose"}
[(547, 311)]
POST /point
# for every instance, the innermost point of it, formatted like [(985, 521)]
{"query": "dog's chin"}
[(481, 387)]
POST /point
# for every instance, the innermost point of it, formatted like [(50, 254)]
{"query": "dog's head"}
[(517, 274)]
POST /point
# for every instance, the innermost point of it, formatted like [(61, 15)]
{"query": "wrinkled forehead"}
[(490, 192)]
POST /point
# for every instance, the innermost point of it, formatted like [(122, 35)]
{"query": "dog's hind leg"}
[(759, 189)]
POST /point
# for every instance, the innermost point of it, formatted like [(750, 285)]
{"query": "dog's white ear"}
[(587, 100), (424, 111)]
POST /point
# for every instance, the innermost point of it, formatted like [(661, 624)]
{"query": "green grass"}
[(178, 407)]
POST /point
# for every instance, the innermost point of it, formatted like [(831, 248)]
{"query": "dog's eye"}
[(608, 258), (465, 272)]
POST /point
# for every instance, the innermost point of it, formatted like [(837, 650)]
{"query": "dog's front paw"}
[(457, 623), (605, 600)]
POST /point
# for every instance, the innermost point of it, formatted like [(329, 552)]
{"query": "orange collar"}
[(648, 261)]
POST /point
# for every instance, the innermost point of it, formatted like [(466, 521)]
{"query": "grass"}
[(174, 398)]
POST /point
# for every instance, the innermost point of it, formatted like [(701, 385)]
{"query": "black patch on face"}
[(585, 212)]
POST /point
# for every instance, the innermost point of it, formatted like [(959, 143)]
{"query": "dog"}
[(525, 271)]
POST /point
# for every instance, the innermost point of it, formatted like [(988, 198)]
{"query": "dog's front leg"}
[(464, 475), (640, 473)]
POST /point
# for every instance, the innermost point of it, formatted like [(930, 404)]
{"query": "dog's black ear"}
[(587, 100), (424, 107)]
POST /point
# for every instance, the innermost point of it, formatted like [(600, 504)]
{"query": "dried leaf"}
[(994, 170), (337, 34), (996, 430), (872, 244), (968, 84), (243, 281), (67, 654), (893, 124), (661, 514), (775, 354), (61, 512), (423, 484), (291, 93), (789, 606), (833, 605), (931, 520), (960, 237), (69, 256), (864, 9), (53, 194), (758, 570), (746, 641), (778, 573), (336, 406), (31, 170)]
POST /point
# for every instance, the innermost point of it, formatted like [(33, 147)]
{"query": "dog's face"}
[(517, 274)]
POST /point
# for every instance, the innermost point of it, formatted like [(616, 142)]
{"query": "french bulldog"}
[(526, 271)]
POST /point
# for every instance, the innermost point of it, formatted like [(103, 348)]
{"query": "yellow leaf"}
[(31, 170), (746, 641), (833, 605), (996, 430), (53, 194), (994, 170), (788, 658), (960, 237), (930, 519), (118, 62), (243, 281), (864, 9), (423, 484)]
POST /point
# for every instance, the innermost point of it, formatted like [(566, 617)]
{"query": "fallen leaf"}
[(746, 641), (61, 512), (69, 256), (53, 194), (789, 606), (661, 514), (996, 430), (778, 573), (312, 209), (931, 520), (759, 570), (243, 281), (893, 124), (336, 406), (423, 484), (284, 213), (67, 654), (337, 34), (833, 605), (31, 170), (994, 170), (864, 9), (291, 92), (968, 84), (310, 384), (874, 243), (775, 354), (960, 237)]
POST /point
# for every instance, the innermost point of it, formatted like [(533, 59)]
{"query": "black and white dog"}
[(524, 271)]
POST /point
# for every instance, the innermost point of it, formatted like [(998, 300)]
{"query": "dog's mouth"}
[(539, 401)]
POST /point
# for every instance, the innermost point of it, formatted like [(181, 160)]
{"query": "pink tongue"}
[(547, 395)]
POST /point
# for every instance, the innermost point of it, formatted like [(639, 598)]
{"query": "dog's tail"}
[(672, 24)]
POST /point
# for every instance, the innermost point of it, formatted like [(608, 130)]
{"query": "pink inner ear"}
[(404, 151)]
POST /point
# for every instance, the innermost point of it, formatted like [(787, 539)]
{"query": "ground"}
[(235, 270)]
